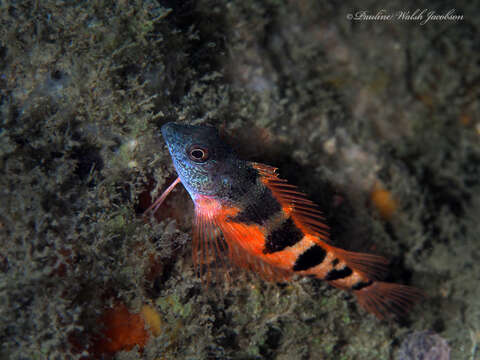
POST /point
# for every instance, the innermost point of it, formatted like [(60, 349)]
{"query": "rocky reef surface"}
[(378, 121)]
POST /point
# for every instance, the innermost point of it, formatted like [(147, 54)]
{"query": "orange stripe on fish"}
[(266, 225)]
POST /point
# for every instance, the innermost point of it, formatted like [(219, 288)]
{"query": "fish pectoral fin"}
[(209, 248), (215, 238)]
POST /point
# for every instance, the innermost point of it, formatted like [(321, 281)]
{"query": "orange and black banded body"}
[(266, 225)]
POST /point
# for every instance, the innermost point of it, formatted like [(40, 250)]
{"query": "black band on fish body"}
[(338, 274), (312, 257), (285, 235), (260, 209), (362, 284)]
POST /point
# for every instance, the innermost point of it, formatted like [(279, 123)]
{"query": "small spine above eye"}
[(198, 153)]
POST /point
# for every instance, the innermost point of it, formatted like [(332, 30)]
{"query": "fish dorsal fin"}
[(212, 220), (309, 219), (304, 212)]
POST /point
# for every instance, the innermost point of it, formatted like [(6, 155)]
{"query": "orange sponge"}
[(383, 201), (122, 331)]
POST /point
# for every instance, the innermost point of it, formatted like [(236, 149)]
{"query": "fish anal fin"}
[(384, 299), (304, 212)]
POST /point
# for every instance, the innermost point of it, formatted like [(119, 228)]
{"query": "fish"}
[(245, 212)]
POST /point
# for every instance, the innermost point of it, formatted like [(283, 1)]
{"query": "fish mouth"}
[(168, 131), (174, 133)]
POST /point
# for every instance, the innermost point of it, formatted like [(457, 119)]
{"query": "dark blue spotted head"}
[(204, 163)]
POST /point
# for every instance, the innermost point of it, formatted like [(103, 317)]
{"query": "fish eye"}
[(198, 153)]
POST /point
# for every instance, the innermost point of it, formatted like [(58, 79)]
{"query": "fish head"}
[(202, 160)]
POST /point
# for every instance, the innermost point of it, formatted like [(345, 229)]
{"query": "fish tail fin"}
[(383, 299)]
